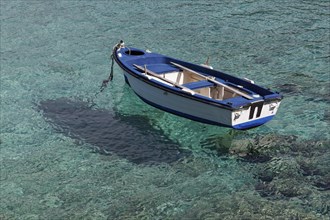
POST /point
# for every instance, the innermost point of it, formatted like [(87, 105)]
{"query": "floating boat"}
[(194, 91)]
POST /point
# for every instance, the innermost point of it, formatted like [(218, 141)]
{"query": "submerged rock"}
[(265, 189), (282, 188), (322, 183), (326, 116), (308, 167), (255, 149), (298, 169), (221, 144)]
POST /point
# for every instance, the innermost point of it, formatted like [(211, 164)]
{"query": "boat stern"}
[(255, 114)]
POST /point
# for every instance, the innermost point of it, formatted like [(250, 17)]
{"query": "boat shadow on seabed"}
[(129, 137)]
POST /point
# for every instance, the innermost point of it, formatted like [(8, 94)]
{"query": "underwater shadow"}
[(129, 137)]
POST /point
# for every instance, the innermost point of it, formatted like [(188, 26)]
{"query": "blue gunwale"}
[(161, 64)]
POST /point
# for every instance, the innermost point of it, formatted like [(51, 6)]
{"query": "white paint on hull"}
[(178, 103), (198, 109)]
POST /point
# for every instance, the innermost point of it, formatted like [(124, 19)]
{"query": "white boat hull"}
[(196, 92), (196, 110)]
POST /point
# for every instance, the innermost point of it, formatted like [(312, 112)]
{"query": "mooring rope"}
[(104, 82), (110, 77)]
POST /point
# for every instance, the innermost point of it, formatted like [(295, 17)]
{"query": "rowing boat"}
[(194, 91)]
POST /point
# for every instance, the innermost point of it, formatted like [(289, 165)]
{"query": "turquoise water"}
[(69, 152)]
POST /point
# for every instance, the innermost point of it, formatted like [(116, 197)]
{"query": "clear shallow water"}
[(57, 167)]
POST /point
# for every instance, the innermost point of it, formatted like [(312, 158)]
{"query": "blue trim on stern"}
[(253, 124)]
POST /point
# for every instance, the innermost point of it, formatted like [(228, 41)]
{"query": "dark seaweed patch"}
[(322, 183), (264, 189)]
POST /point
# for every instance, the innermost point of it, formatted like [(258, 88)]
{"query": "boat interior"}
[(195, 82), (199, 85)]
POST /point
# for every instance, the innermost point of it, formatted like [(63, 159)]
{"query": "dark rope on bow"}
[(104, 82), (110, 78)]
